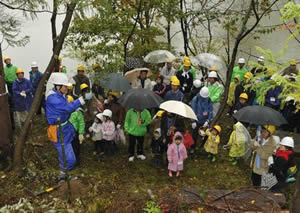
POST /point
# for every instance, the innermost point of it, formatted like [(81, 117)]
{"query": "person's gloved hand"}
[(235, 111), (81, 138), (256, 143), (82, 101), (118, 126), (194, 125), (90, 129), (105, 101), (205, 124), (23, 93), (270, 160)]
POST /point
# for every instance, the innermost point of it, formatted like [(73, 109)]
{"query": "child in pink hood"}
[(176, 155), (108, 132)]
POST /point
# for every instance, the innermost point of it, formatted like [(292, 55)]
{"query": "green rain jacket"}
[(131, 122), (10, 74), (77, 120)]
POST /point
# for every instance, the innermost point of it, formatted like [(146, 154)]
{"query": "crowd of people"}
[(82, 110)]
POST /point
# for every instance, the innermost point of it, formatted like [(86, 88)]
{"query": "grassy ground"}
[(113, 184)]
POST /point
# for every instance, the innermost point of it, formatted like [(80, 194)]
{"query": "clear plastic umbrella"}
[(159, 56), (207, 60)]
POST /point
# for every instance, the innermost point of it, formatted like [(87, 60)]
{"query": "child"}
[(77, 120), (243, 99), (237, 142), (212, 142), (231, 98), (176, 155), (160, 87), (97, 136), (158, 148), (108, 131), (282, 161)]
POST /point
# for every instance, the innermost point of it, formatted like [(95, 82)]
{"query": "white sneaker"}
[(142, 157), (131, 159)]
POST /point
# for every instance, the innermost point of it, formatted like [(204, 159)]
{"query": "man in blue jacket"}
[(58, 107), (22, 96), (272, 98), (35, 76), (203, 108)]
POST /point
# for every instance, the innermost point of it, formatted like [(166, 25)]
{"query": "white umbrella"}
[(135, 73), (159, 56), (207, 60), (178, 108)]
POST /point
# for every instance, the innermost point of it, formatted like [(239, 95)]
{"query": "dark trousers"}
[(109, 149), (256, 179), (140, 145), (76, 148), (157, 160), (99, 146), (195, 135)]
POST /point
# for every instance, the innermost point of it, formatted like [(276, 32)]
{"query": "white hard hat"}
[(34, 64), (107, 113), (59, 78), (241, 61), (213, 74), (261, 58), (100, 116), (197, 83), (287, 141), (204, 92)]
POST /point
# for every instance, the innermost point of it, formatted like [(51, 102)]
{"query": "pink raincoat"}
[(108, 130), (176, 155)]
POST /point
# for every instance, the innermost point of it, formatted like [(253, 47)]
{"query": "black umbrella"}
[(260, 115), (140, 99), (116, 82)]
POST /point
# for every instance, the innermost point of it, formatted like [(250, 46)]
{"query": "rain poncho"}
[(58, 107), (167, 73), (22, 103), (215, 92), (238, 71), (10, 73), (77, 121), (203, 109), (238, 141), (231, 96), (212, 142), (176, 155)]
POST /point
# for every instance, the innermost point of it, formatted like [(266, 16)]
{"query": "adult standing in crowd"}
[(239, 70), (80, 79), (22, 93), (174, 94), (136, 122), (215, 91), (142, 81), (186, 80), (35, 76), (167, 71), (57, 107)]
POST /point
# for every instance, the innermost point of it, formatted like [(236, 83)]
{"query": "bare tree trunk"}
[(295, 208), (168, 29), (5, 124), (19, 149), (184, 31)]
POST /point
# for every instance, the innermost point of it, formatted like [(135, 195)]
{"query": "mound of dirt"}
[(78, 188)]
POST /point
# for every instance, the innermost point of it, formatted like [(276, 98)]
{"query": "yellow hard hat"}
[(175, 82), (218, 128), (60, 58), (80, 68), (187, 63), (83, 86), (70, 87), (213, 68), (19, 71), (95, 66), (270, 128), (70, 99), (186, 58), (173, 77), (6, 58), (244, 95), (293, 62), (248, 75), (114, 93), (160, 113)]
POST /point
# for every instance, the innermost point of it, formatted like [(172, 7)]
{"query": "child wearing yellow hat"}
[(213, 141)]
